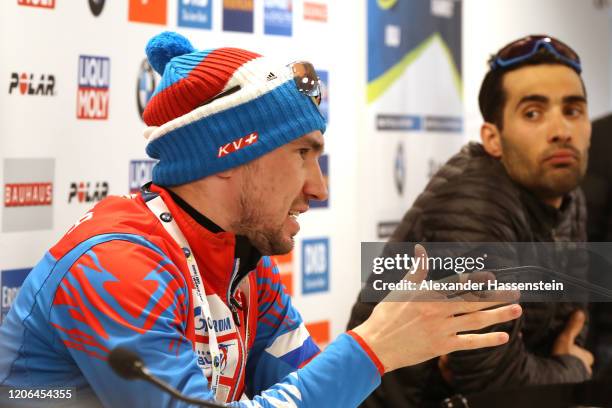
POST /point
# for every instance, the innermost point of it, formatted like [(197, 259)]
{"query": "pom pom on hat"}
[(165, 46)]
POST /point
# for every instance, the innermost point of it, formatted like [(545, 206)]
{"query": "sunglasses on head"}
[(304, 76), (306, 80), (526, 48)]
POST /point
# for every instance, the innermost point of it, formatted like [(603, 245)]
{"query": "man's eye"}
[(532, 114), (303, 152), (573, 111)]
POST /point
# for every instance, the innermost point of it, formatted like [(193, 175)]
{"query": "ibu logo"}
[(315, 265), (93, 87)]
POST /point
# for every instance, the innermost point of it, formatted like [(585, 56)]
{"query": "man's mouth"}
[(293, 215), (562, 157)]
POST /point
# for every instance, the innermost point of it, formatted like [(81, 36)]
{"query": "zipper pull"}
[(235, 314), (234, 307)]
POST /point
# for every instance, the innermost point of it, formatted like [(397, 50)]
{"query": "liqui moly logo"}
[(28, 194), (93, 89), (238, 144)]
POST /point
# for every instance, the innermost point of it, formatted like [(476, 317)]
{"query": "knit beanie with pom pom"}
[(219, 108)]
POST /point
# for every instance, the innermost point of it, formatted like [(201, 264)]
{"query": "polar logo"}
[(93, 87), (86, 192), (29, 84)]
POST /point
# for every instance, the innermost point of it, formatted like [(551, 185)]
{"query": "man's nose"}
[(561, 130), (315, 187)]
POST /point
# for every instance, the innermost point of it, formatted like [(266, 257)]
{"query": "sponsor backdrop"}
[(75, 82), (71, 128), (414, 101)]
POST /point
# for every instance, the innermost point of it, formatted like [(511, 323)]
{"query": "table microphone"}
[(130, 366)]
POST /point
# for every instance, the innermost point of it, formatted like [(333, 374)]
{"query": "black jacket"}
[(597, 186), (472, 199)]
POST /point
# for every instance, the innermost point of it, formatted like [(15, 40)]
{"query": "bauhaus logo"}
[(87, 192), (28, 194), (26, 83), (49, 4), (93, 87)]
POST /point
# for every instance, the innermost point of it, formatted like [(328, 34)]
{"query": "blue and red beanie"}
[(219, 108)]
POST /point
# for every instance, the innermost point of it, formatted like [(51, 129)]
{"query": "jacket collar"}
[(222, 255), (547, 216)]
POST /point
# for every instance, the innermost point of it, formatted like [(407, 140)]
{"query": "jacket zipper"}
[(234, 305)]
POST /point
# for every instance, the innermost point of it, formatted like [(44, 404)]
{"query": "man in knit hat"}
[(181, 273)]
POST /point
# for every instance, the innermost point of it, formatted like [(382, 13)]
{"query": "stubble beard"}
[(544, 181), (252, 223)]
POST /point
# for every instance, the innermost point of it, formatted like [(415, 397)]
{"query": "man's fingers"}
[(574, 325), (421, 268), (418, 272), (456, 308), (480, 320), (475, 341)]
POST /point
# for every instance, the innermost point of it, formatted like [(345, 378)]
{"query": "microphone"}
[(130, 366)]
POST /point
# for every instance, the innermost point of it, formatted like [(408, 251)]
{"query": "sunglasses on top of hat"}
[(525, 48), (304, 76), (306, 80)]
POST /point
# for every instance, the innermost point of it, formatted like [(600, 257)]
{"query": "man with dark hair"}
[(181, 273), (519, 185)]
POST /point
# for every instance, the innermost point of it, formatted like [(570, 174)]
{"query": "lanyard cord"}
[(159, 208)]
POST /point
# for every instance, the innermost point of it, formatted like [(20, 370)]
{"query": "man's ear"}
[(491, 139)]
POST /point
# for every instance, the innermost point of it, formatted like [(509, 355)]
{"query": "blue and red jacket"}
[(118, 278)]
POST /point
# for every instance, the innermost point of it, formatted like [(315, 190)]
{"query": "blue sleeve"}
[(286, 367), (341, 376), (128, 294)]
